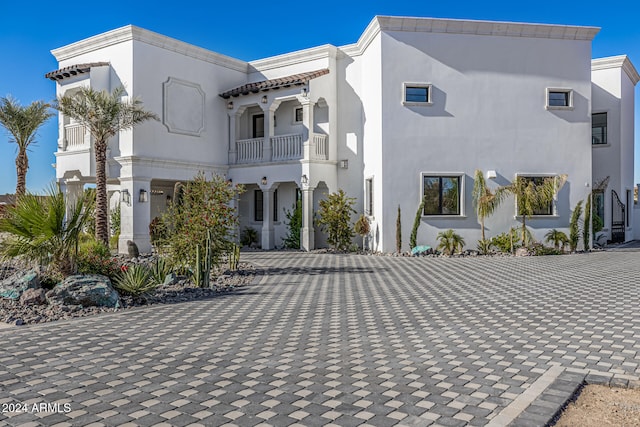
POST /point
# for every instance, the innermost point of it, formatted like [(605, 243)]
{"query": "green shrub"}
[(95, 258), (157, 230), (335, 218), (450, 242), (135, 281), (484, 246), (362, 227), (558, 238), (413, 238), (574, 227), (398, 232), (294, 224), (538, 249), (250, 235), (507, 242)]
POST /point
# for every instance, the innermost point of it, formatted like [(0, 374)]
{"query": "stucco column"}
[(268, 239), (72, 189), (307, 233), (307, 130), (135, 215), (233, 132), (268, 133)]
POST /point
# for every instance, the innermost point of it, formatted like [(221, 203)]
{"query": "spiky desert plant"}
[(104, 115), (449, 242), (22, 123), (586, 224), (485, 201), (398, 231), (574, 227), (135, 280), (557, 237), (532, 196)]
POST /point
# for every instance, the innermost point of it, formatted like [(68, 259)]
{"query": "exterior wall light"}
[(264, 99), (230, 105), (304, 179), (126, 197), (492, 174), (344, 164), (144, 197), (304, 92), (264, 180)]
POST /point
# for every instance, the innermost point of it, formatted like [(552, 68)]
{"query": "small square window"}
[(416, 94), (559, 99), (298, 114)]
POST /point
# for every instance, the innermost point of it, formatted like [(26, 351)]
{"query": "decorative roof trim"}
[(463, 26), (297, 57), (265, 85), (620, 61), (131, 32), (73, 70)]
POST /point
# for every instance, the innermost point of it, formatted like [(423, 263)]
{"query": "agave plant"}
[(450, 242), (38, 230), (135, 281)]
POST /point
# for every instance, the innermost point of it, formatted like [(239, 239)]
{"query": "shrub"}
[(586, 236), (484, 246), (398, 232), (135, 281), (95, 258), (362, 228), (538, 249), (574, 227), (157, 230), (335, 218), (507, 242), (250, 235), (413, 239), (294, 224), (558, 238), (450, 242)]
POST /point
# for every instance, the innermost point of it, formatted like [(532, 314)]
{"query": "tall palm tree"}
[(485, 201), (22, 123), (103, 114), (532, 196)]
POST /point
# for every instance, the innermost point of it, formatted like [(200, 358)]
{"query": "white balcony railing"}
[(249, 150), (286, 147), (320, 150), (74, 136)]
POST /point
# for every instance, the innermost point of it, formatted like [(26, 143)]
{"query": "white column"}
[(72, 189), (268, 133), (135, 216), (307, 233), (307, 130), (233, 136), (268, 239)]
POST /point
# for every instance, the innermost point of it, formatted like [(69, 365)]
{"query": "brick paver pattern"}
[(343, 340)]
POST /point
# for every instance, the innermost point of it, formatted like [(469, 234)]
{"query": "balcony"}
[(75, 137), (282, 148)]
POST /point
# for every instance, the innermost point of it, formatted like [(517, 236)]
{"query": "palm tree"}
[(533, 195), (22, 123), (38, 230), (103, 114), (557, 237), (450, 242), (485, 201)]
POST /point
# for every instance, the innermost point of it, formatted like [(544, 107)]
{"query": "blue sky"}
[(250, 30)]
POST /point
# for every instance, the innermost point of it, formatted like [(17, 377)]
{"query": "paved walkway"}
[(348, 340)]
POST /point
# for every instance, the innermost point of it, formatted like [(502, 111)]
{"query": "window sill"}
[(554, 216), (601, 145), (417, 104), (444, 216), (557, 107)]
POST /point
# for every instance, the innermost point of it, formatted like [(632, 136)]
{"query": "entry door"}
[(258, 126)]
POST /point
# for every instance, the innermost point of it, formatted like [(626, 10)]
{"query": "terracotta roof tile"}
[(73, 70), (293, 80)]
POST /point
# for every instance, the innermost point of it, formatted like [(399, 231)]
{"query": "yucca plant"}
[(557, 237), (38, 230), (159, 270), (450, 242), (135, 281)]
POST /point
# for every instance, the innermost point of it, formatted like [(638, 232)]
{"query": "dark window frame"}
[(368, 188), (258, 206), (255, 128), (417, 93), (441, 195), (549, 211), (559, 98), (601, 139), (297, 119)]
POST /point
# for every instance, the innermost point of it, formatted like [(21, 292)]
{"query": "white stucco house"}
[(412, 108)]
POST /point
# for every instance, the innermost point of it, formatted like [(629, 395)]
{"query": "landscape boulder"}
[(85, 290), (14, 286), (33, 297), (421, 250)]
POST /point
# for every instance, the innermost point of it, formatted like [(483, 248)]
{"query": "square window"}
[(533, 182), (298, 115), (599, 128), (441, 195), (559, 99), (416, 94)]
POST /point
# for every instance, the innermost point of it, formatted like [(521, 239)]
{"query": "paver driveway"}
[(338, 339)]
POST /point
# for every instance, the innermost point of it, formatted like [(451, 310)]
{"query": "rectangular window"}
[(598, 204), (257, 205), (258, 126), (441, 195), (275, 205), (298, 115), (416, 94), (599, 128), (628, 207), (368, 199), (559, 98), (536, 181)]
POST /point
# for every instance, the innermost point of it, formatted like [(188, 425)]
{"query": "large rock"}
[(85, 290), (33, 297), (13, 287), (421, 250)]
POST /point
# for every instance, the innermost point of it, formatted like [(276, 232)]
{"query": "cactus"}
[(202, 272), (234, 257)]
